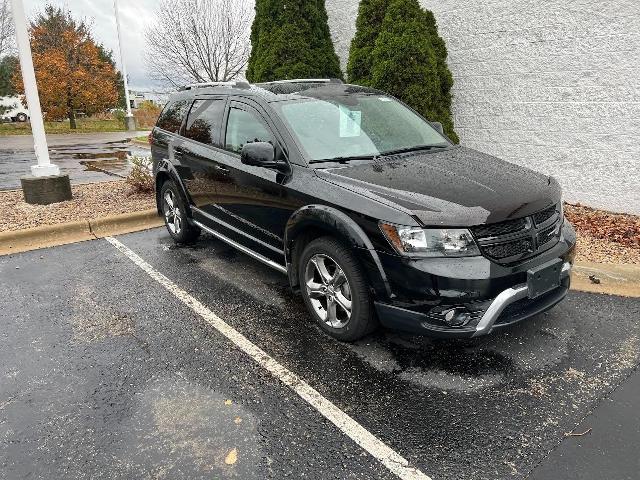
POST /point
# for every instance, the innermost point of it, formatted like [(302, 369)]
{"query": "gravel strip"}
[(97, 200), (92, 200)]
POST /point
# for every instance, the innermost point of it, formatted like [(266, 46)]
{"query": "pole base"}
[(47, 189), (45, 170), (130, 122)]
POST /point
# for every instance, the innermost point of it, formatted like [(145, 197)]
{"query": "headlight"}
[(421, 242)]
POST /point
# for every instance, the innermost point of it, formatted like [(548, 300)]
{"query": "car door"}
[(251, 206), (199, 148)]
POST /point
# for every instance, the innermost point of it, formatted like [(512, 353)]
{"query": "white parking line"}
[(369, 442)]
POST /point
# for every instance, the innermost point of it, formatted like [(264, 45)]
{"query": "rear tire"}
[(335, 290), (21, 117), (175, 214)]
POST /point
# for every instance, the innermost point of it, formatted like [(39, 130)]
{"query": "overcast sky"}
[(135, 15)]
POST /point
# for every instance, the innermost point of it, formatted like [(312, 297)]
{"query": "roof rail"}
[(235, 84), (306, 80)]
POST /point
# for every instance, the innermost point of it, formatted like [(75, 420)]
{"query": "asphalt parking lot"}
[(107, 373)]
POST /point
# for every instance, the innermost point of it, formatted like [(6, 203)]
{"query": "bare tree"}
[(6, 29), (199, 41)]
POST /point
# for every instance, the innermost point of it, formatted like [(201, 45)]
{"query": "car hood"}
[(455, 187)]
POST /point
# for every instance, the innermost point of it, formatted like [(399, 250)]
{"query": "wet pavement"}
[(87, 158), (107, 375)]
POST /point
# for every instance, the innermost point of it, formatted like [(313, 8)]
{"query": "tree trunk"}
[(72, 115), (72, 119)]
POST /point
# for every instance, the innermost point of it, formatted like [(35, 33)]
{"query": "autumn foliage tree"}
[(71, 69)]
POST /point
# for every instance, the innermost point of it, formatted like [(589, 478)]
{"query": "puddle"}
[(187, 431), (443, 365)]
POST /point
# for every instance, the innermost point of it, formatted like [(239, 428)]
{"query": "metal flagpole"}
[(44, 166), (131, 124)]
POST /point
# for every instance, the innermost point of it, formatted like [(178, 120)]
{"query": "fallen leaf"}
[(227, 402), (237, 420), (232, 457)]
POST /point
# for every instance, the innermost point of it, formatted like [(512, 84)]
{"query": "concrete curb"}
[(622, 280), (141, 143), (16, 241)]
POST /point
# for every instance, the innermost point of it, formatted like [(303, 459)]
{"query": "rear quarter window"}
[(172, 115)]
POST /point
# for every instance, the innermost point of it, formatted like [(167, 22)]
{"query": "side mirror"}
[(261, 154), (438, 127)]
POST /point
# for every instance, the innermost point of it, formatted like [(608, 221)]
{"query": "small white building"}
[(136, 97)]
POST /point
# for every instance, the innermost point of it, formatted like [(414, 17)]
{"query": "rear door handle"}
[(221, 168)]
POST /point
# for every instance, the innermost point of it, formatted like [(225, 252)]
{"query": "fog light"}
[(454, 316)]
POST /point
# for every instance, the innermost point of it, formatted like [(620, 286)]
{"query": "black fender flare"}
[(343, 227), (166, 168)]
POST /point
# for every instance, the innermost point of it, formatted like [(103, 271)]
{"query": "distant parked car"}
[(13, 110), (371, 211)]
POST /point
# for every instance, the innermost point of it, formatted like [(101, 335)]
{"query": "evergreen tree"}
[(397, 49), (107, 56), (443, 103), (291, 39), (8, 66), (371, 14)]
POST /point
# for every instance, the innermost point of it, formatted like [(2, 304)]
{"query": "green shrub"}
[(140, 179), (402, 54), (147, 114), (291, 39)]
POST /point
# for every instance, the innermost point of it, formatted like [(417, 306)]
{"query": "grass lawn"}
[(85, 125)]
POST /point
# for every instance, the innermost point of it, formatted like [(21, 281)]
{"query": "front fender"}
[(338, 224)]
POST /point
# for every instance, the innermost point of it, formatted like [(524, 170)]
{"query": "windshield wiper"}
[(377, 155), (415, 148), (345, 159)]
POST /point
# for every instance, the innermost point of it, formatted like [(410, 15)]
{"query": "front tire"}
[(335, 290), (175, 213), (21, 117)]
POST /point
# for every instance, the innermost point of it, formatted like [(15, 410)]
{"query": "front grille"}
[(509, 249), (546, 235), (502, 228), (544, 215), (521, 238)]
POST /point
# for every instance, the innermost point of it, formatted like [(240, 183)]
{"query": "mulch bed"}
[(614, 227)]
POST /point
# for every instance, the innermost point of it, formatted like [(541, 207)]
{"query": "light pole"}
[(45, 185), (129, 119)]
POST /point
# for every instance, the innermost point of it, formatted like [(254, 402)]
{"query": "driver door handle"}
[(221, 168)]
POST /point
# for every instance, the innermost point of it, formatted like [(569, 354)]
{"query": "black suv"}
[(371, 211)]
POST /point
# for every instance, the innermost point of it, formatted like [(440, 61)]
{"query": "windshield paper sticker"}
[(349, 122)]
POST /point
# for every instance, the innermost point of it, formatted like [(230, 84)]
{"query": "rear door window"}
[(245, 127), (172, 115), (204, 121)]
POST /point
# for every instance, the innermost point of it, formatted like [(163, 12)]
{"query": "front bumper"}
[(511, 306), (494, 295)]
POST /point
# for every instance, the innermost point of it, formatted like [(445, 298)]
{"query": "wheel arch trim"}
[(165, 167), (336, 222)]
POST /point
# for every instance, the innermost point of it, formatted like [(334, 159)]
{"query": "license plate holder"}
[(544, 278)]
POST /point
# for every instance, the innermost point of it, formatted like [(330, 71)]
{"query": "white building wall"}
[(553, 85)]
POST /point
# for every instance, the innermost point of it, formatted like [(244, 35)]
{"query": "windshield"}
[(356, 126)]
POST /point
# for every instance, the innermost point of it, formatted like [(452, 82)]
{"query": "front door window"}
[(244, 127)]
